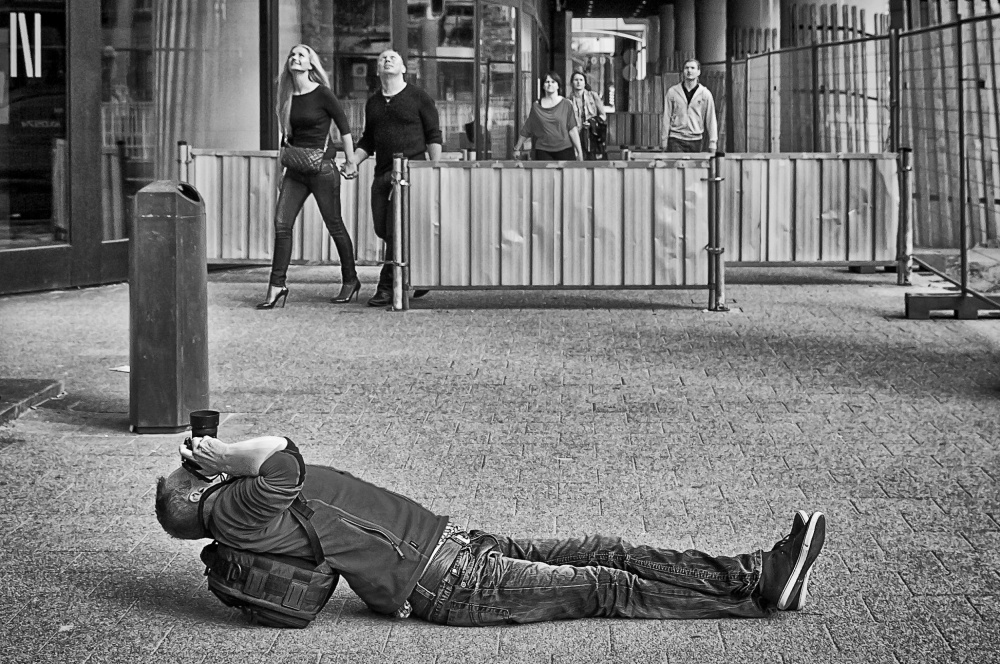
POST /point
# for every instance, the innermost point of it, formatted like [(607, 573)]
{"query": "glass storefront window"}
[(498, 79), (173, 70), (347, 36), (441, 60), (33, 154)]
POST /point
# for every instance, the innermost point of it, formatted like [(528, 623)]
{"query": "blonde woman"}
[(307, 109)]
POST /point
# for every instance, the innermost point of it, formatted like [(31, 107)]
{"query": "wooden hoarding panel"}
[(425, 226), (730, 202), (578, 226), (515, 224), (546, 226), (754, 206), (695, 225), (205, 178), (263, 196), (886, 208), (860, 211), (833, 237), (638, 230), (780, 221), (485, 226), (609, 225), (668, 227), (807, 194), (454, 226)]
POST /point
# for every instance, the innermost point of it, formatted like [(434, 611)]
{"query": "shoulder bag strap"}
[(303, 513)]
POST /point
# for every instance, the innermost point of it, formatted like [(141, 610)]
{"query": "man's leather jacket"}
[(378, 540)]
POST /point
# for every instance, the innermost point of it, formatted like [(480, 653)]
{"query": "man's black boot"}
[(381, 298)]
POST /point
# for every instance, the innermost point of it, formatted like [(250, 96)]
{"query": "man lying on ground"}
[(401, 558)]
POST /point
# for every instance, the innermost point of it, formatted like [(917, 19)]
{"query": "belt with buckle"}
[(443, 564)]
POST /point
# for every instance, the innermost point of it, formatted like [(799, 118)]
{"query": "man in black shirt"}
[(399, 118)]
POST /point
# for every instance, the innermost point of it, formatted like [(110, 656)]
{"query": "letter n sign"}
[(32, 64)]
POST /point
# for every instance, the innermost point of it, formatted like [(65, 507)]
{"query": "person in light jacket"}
[(689, 115)]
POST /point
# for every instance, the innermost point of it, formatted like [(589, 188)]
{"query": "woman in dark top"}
[(306, 110), (552, 125)]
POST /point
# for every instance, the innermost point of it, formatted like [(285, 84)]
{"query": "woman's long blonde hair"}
[(286, 85)]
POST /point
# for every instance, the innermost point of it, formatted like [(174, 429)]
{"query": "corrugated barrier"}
[(641, 223), (574, 224), (240, 189), (808, 208)]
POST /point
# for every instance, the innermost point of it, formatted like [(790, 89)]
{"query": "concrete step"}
[(17, 395)]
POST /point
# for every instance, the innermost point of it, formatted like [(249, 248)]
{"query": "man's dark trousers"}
[(382, 219)]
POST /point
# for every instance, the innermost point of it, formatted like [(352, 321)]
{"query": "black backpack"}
[(272, 590)]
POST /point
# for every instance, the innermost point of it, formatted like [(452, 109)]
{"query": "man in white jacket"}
[(689, 115)]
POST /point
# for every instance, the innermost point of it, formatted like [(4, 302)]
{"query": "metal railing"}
[(934, 90)]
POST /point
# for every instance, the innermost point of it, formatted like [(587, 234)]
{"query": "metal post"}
[(717, 276), (962, 167), (904, 236), (894, 90), (713, 238), (404, 202), (184, 161), (815, 95), (399, 302)]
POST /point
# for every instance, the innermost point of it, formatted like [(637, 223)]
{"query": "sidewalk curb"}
[(17, 395)]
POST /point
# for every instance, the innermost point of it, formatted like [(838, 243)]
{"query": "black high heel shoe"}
[(271, 301), (348, 292)]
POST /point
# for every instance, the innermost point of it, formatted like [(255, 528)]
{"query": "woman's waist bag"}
[(305, 161), (272, 590)]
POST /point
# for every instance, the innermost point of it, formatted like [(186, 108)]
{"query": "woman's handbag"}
[(304, 161)]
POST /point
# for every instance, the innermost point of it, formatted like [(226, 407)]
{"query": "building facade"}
[(96, 94)]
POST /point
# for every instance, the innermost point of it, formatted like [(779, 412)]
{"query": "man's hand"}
[(349, 170), (209, 453)]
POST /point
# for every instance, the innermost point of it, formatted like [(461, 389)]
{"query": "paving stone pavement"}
[(530, 413)]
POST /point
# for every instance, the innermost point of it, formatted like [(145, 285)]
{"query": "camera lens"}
[(204, 423)]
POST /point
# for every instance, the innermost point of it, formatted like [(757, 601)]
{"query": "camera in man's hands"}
[(203, 423)]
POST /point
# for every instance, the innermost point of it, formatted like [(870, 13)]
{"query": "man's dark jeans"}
[(680, 145), (500, 580), (382, 220), (295, 189)]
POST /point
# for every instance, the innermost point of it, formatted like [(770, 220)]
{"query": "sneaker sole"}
[(811, 546), (799, 522)]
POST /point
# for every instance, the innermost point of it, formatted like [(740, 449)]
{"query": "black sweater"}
[(310, 117), (407, 122)]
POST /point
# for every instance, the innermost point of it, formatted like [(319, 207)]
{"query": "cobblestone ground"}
[(555, 413)]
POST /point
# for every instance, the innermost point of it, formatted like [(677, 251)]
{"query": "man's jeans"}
[(382, 220), (499, 580), (680, 145), (295, 188)]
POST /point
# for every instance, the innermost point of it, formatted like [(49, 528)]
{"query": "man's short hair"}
[(694, 60), (177, 515)]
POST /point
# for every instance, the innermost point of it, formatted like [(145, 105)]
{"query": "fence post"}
[(405, 238), (730, 107), (894, 90), (399, 297), (716, 264), (963, 171), (815, 95), (904, 235), (184, 161)]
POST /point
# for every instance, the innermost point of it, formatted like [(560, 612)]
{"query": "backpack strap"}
[(299, 509), (303, 513)]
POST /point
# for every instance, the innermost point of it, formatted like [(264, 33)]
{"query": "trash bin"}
[(168, 308)]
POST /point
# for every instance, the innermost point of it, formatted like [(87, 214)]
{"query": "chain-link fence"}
[(935, 90)]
